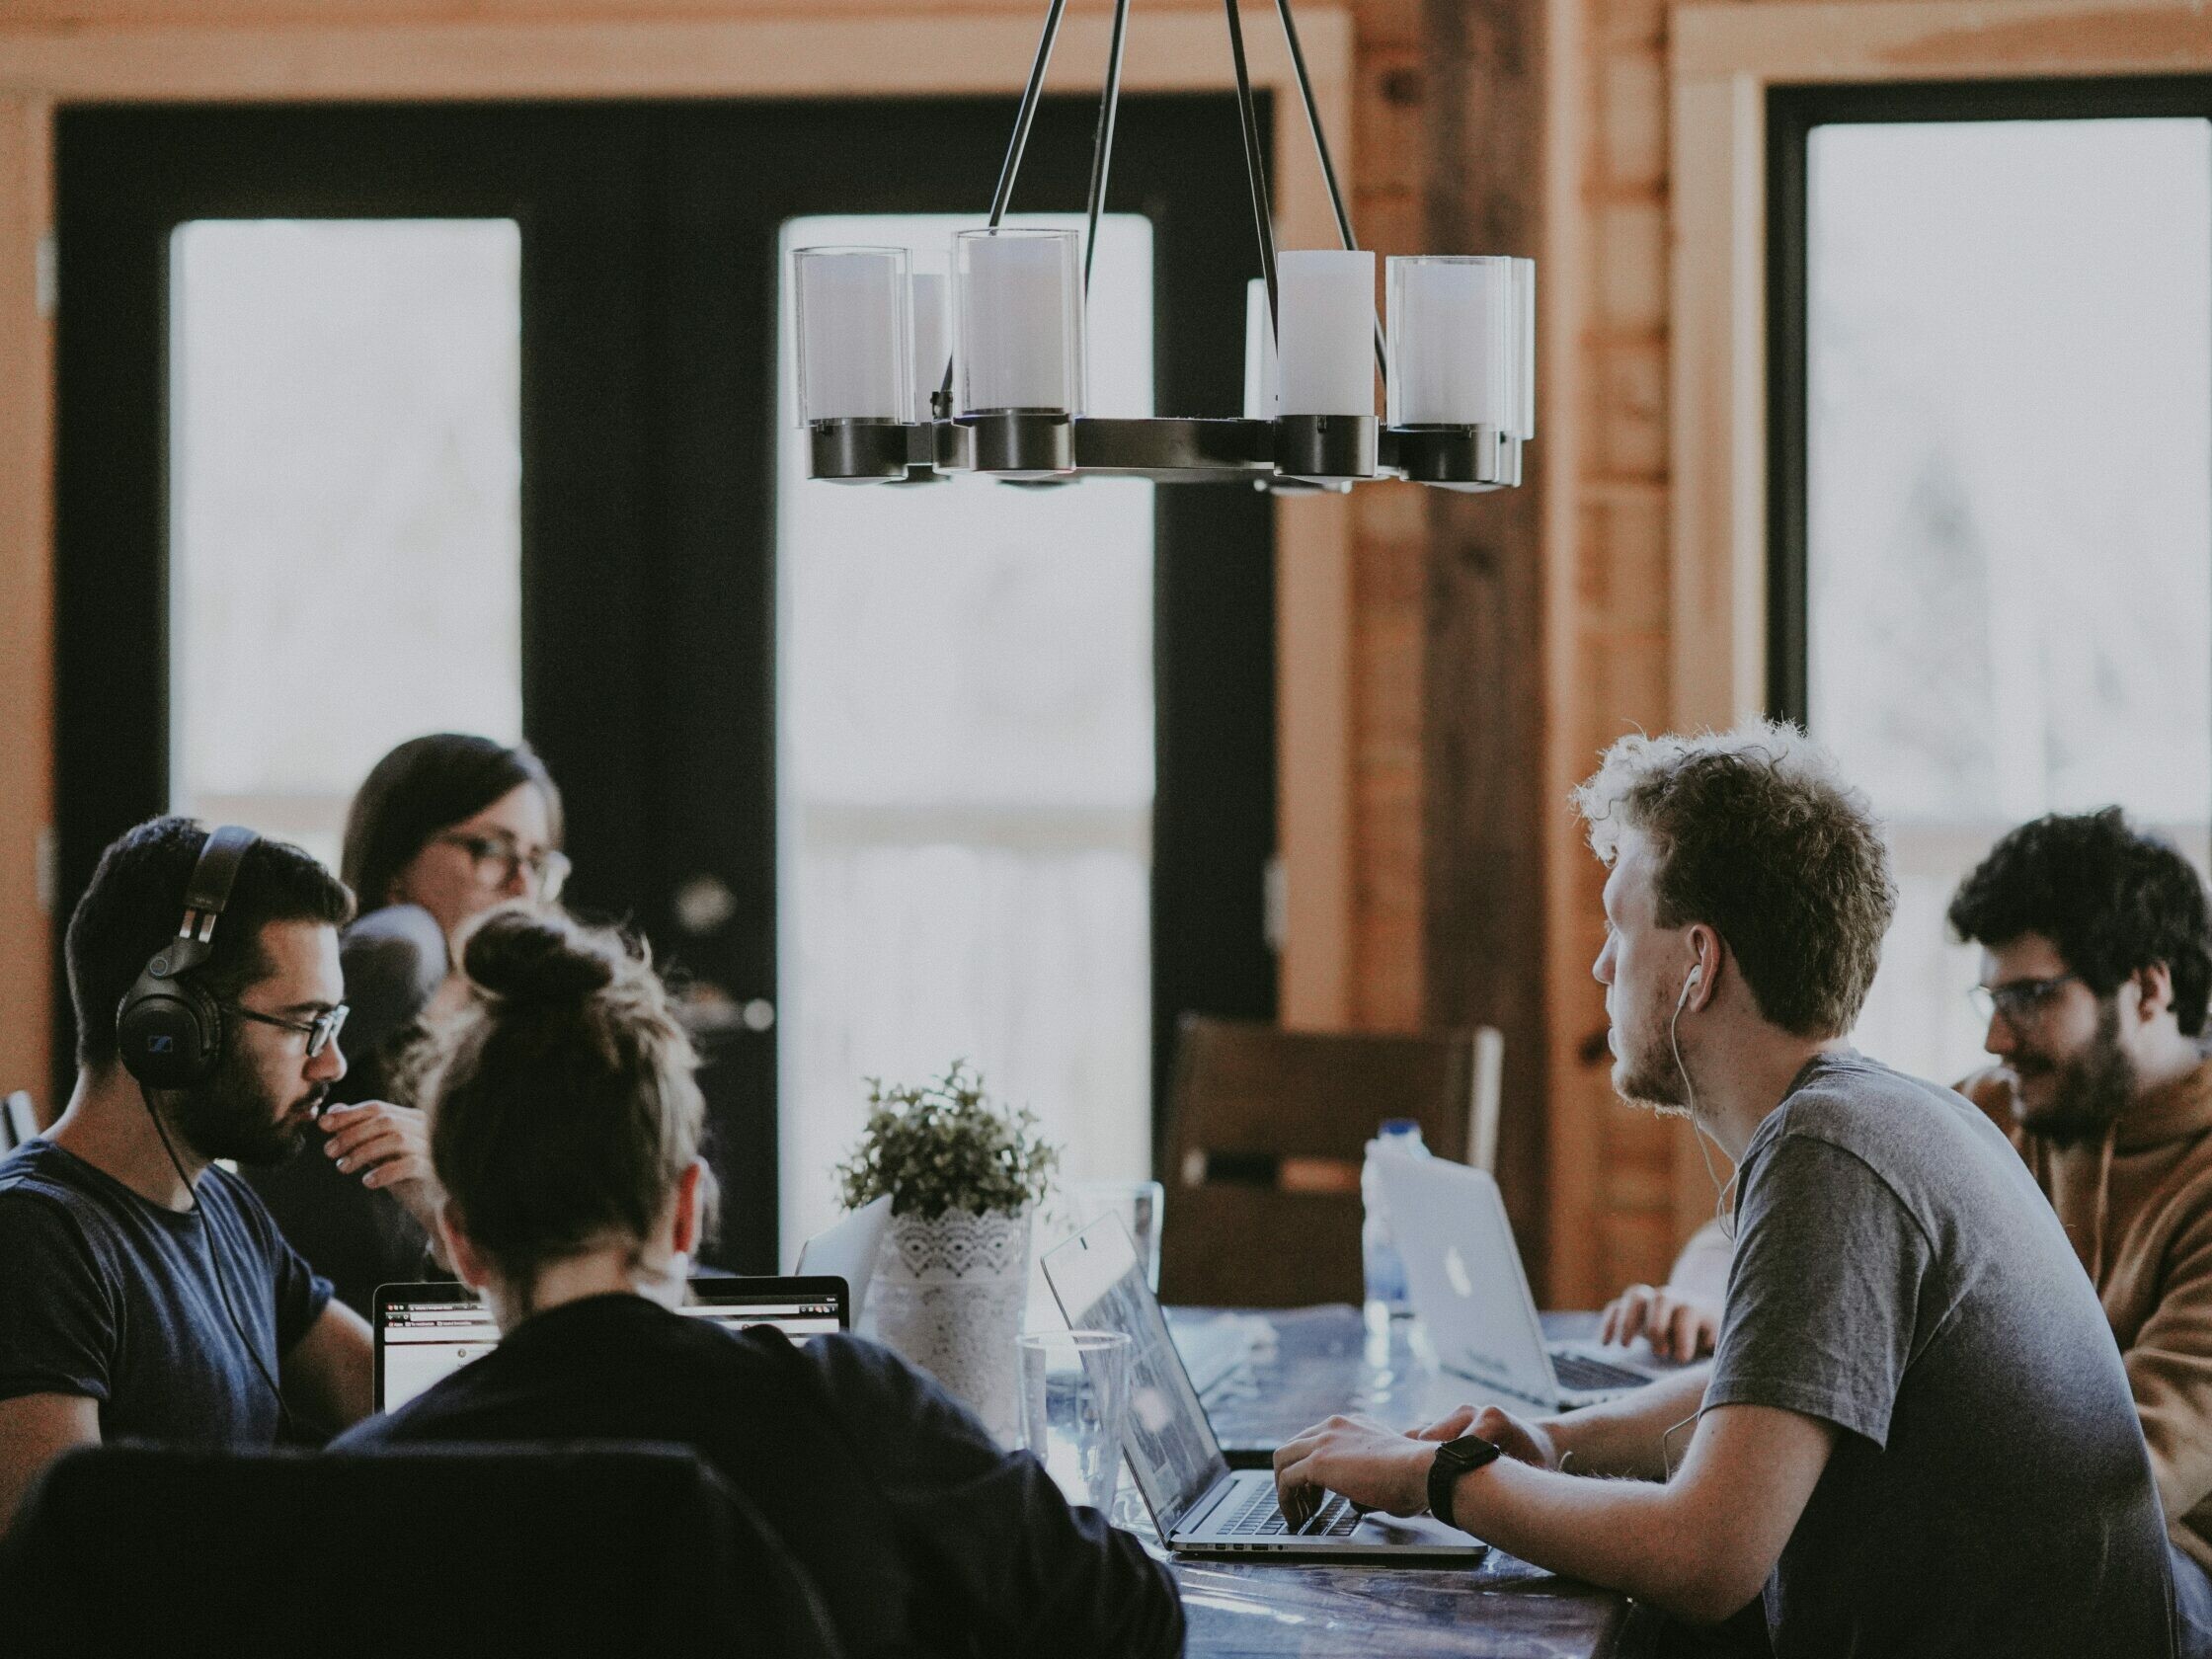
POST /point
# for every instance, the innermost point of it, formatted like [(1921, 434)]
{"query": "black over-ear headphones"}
[(169, 1030)]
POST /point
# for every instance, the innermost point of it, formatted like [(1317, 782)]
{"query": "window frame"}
[(1792, 113)]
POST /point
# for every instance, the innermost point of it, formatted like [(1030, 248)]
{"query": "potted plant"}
[(962, 1176)]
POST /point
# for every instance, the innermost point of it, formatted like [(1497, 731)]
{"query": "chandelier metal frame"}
[(1287, 454)]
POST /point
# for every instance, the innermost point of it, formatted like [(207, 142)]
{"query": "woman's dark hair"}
[(2112, 900), (563, 1103), (426, 785)]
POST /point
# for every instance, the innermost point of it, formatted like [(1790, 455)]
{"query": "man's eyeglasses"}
[(321, 1030), (2018, 1000), (497, 861)]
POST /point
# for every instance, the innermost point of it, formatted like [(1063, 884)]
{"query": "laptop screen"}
[(426, 1332), (1170, 1446)]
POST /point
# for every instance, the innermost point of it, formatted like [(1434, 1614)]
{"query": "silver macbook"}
[(848, 1250), (426, 1332), (1472, 1293), (1200, 1506)]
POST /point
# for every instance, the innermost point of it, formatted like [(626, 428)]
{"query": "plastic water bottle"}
[(1378, 1251)]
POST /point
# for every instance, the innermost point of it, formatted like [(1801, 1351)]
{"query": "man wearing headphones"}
[(146, 1293)]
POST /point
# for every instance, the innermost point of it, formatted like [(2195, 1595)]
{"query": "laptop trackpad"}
[(1404, 1529)]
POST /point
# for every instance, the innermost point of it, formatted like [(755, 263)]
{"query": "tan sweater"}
[(2138, 1207)]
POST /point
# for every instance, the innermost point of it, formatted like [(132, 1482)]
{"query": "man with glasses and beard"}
[(2097, 966), (144, 1291)]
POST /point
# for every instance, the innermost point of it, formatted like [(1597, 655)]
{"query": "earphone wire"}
[(285, 1422), (1723, 1217)]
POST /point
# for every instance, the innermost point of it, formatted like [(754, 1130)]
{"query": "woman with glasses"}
[(443, 829)]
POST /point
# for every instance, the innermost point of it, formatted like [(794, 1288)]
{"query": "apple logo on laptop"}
[(1456, 1270)]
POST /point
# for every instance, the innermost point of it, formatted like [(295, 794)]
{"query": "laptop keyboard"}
[(1258, 1517), (1578, 1372)]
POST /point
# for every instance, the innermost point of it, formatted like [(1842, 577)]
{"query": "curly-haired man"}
[(2096, 967), (1916, 1436)]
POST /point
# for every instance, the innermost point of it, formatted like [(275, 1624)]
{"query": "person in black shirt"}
[(564, 1130), (443, 829), (143, 1291)]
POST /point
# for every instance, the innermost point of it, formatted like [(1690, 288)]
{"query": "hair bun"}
[(537, 956)]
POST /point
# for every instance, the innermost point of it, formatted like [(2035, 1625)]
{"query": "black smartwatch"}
[(1452, 1460)]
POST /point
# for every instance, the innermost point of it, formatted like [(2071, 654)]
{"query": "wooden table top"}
[(1324, 1360)]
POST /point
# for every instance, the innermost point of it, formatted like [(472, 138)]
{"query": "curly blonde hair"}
[(1757, 836)]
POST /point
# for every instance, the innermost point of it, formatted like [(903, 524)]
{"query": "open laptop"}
[(848, 1250), (425, 1331), (1472, 1293), (1201, 1506)]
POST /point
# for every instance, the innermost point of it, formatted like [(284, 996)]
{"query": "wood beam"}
[(1486, 816)]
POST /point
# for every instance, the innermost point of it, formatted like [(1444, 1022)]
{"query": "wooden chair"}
[(1267, 1131)]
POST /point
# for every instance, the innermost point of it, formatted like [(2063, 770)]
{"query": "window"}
[(965, 774), (344, 564), (2006, 500)]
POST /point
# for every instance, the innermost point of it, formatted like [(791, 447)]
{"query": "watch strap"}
[(1453, 1458)]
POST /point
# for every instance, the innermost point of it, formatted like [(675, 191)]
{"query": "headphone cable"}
[(287, 1425)]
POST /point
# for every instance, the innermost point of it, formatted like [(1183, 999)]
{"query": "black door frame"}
[(648, 491), (1793, 112)]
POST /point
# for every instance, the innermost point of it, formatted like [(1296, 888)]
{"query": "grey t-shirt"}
[(1898, 1274)]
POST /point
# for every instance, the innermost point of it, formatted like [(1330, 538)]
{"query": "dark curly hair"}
[(1758, 836), (2113, 900)]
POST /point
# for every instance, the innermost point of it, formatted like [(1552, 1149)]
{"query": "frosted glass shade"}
[(1018, 320), (855, 362), (1263, 390), (1325, 344), (1456, 341), (932, 340)]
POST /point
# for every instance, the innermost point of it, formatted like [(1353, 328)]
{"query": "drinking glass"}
[(1075, 1406), (1139, 1206)]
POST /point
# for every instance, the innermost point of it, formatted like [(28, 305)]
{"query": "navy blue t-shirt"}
[(107, 1296)]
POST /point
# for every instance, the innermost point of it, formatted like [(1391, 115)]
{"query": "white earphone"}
[(1690, 983)]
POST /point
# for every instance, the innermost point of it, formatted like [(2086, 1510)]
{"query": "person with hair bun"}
[(444, 828), (565, 1129)]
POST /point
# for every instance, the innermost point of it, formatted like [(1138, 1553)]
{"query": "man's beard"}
[(2094, 1087), (232, 1115), (1647, 1074)]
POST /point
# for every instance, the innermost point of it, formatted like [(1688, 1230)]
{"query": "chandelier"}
[(905, 376)]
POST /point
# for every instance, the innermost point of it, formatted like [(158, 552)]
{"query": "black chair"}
[(427, 1550)]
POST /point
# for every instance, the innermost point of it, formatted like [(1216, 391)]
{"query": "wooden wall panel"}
[(25, 614)]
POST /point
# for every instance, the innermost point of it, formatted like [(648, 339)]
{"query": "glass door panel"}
[(967, 766), (345, 506)]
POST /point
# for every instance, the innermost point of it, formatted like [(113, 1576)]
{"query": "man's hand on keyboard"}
[(1680, 1327), (1374, 1466)]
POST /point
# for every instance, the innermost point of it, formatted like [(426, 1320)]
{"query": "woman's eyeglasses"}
[(2018, 1000), (498, 860), (321, 1030)]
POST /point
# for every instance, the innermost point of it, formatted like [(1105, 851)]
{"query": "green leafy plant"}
[(943, 1146)]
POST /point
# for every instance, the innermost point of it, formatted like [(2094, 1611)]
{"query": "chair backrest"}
[(430, 1549), (1267, 1130), (19, 1121)]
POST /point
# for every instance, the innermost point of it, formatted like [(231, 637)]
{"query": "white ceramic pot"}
[(948, 1293)]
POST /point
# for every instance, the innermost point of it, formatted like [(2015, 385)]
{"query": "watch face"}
[(1470, 1451)]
